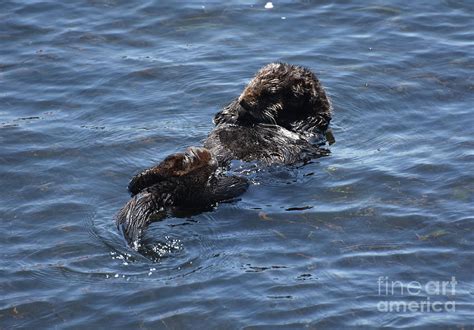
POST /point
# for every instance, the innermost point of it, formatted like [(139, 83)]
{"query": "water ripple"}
[(95, 91)]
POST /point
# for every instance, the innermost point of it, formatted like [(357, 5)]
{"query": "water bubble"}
[(268, 5)]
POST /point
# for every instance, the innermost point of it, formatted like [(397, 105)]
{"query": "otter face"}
[(261, 103), (181, 164), (279, 94), (283, 95)]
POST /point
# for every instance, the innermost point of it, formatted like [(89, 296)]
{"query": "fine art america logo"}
[(414, 296)]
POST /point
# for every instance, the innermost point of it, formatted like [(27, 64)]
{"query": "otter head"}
[(196, 164), (193, 160), (281, 94), (278, 94)]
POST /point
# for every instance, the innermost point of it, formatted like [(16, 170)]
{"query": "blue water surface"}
[(91, 92)]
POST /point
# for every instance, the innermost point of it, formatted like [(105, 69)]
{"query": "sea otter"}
[(280, 117), (186, 180)]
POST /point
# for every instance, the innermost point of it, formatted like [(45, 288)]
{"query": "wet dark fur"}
[(276, 119), (183, 180), (265, 143), (281, 117)]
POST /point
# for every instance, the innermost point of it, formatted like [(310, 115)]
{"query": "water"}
[(94, 91)]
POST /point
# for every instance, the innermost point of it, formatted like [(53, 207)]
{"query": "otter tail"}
[(136, 215)]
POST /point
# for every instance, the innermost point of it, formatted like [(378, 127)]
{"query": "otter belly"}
[(265, 143)]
